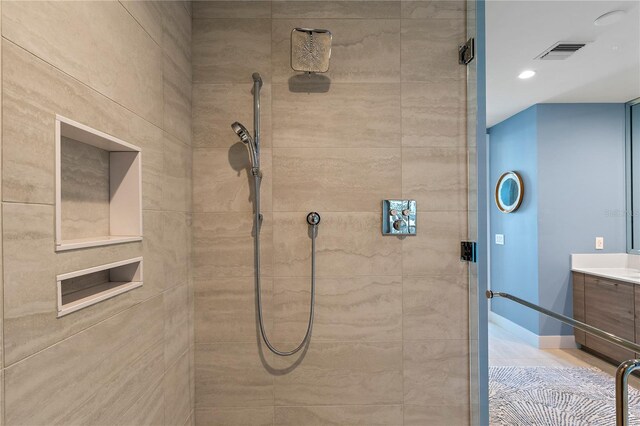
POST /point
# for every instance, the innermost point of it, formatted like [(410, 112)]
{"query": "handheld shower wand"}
[(313, 220), (251, 144)]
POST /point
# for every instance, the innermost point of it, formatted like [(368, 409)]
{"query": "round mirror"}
[(509, 192)]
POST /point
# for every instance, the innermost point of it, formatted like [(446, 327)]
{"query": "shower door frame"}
[(478, 196)]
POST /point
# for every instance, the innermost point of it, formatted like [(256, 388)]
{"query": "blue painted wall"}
[(581, 180), (514, 266), (574, 178)]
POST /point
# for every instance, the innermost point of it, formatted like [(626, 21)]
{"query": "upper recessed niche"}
[(98, 188)]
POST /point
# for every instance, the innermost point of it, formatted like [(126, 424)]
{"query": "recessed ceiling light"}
[(609, 18), (526, 74)]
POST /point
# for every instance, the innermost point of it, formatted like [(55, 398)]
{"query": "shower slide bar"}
[(624, 369)]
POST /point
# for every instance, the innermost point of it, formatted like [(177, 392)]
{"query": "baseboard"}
[(540, 342), (527, 335)]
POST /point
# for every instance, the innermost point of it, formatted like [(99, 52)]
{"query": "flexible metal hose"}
[(314, 229)]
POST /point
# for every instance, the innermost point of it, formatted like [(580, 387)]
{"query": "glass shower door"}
[(477, 196)]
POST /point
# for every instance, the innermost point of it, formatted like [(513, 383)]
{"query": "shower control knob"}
[(398, 224), (406, 212)]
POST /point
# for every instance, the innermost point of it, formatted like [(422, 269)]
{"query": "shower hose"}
[(313, 219)]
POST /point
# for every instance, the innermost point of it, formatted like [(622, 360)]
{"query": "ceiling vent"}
[(561, 50)]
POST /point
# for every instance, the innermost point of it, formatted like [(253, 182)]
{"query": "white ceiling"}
[(606, 70)]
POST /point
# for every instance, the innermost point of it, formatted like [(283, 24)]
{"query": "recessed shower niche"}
[(79, 289), (98, 188)]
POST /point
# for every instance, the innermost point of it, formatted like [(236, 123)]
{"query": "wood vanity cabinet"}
[(578, 306), (609, 305)]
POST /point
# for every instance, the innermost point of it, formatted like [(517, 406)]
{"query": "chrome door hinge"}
[(468, 251), (467, 52)]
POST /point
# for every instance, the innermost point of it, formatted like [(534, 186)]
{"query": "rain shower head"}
[(242, 132), (310, 50)]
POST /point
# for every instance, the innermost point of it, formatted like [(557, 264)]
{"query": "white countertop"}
[(616, 266), (618, 274)]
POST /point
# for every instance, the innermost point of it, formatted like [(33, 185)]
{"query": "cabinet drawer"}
[(609, 305), (609, 350)]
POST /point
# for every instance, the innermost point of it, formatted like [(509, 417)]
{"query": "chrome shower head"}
[(242, 132), (245, 137)]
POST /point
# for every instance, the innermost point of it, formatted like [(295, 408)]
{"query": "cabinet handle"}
[(609, 283)]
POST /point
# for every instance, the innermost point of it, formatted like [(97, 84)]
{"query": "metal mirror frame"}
[(514, 175)]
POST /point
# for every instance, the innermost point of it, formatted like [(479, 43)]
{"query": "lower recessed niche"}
[(79, 289), (98, 188)]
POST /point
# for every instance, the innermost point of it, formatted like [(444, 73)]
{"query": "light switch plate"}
[(599, 243), (500, 239)]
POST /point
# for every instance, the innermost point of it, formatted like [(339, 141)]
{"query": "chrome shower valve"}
[(399, 217)]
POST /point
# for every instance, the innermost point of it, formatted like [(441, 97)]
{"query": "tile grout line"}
[(59, 342), (2, 308), (272, 92), (163, 149), (91, 88), (142, 26), (402, 242)]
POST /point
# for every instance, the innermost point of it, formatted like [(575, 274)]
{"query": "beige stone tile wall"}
[(85, 190), (390, 343), (391, 320), (123, 68)]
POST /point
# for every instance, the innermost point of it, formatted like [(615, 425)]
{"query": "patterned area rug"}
[(555, 396)]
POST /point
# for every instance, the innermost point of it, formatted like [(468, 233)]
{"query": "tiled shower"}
[(123, 69), (390, 343), (386, 121)]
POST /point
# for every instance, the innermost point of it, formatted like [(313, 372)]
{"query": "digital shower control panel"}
[(399, 217)]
